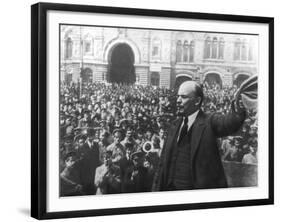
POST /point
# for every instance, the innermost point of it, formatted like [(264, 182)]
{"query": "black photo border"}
[(39, 109)]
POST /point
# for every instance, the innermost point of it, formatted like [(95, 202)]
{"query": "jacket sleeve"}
[(225, 125)]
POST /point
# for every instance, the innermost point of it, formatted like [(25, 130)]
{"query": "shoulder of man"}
[(110, 147)]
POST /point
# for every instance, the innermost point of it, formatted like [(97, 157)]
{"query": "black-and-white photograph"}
[(148, 110)]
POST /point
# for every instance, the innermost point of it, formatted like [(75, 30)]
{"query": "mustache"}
[(178, 111)]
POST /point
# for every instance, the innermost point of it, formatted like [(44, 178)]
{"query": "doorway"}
[(121, 67)]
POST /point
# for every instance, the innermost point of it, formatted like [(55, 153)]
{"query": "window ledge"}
[(245, 61), (185, 63), (213, 60)]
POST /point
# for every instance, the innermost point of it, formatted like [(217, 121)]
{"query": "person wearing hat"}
[(70, 183), (70, 128), (107, 176), (104, 142), (129, 138), (231, 150), (87, 161), (190, 158), (126, 161), (136, 175), (162, 138), (79, 140), (124, 124), (85, 121), (139, 137), (151, 161), (251, 156), (117, 149), (148, 134), (66, 123), (90, 162)]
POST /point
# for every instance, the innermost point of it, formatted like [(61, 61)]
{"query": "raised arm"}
[(225, 125)]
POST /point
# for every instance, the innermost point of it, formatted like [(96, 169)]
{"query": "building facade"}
[(155, 57)]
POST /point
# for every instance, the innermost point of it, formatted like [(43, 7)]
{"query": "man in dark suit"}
[(190, 158), (88, 151)]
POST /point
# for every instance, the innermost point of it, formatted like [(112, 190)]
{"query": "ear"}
[(198, 100)]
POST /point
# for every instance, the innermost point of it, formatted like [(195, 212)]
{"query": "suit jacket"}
[(137, 183), (89, 161), (206, 166)]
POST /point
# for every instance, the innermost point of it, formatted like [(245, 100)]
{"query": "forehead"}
[(187, 88)]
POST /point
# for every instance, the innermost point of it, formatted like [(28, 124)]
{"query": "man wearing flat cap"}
[(190, 158), (117, 149), (88, 153), (70, 181), (136, 175)]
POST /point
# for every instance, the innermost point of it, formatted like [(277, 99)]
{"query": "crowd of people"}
[(112, 135), (241, 147)]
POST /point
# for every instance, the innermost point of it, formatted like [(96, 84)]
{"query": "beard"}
[(183, 111), (180, 110)]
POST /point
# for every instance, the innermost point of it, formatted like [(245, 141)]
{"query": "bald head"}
[(191, 87), (190, 97), (187, 87)]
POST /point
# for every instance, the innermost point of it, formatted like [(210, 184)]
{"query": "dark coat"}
[(137, 183), (206, 166), (89, 161)]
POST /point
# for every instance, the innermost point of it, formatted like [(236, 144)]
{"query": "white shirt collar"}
[(192, 118)]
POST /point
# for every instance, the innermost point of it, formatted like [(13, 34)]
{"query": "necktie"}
[(184, 129)]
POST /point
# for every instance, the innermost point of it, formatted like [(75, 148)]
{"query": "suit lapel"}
[(198, 128), (174, 129), (167, 152)]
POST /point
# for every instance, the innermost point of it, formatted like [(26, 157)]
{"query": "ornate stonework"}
[(176, 53)]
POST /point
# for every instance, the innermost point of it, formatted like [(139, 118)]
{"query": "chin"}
[(180, 113)]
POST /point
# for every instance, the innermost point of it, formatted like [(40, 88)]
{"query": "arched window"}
[(155, 51), (207, 47), (156, 48), (179, 51), (215, 48), (213, 80), (244, 50), (237, 49), (88, 44), (191, 51), (221, 48), (250, 54), (68, 48), (185, 51)]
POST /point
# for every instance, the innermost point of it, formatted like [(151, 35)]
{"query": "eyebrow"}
[(186, 96)]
